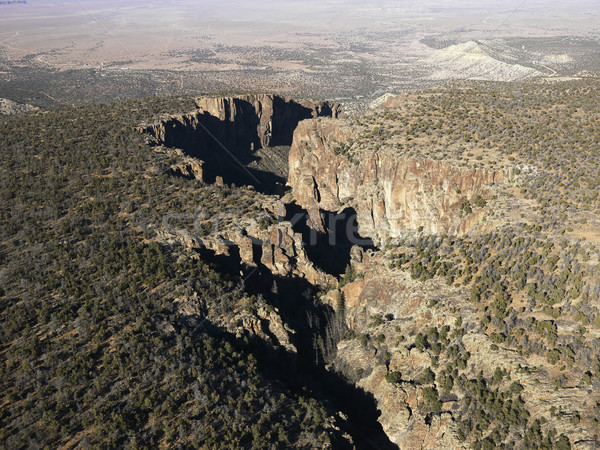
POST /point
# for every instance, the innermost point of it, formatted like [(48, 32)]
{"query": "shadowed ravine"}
[(244, 140), (306, 370), (237, 143)]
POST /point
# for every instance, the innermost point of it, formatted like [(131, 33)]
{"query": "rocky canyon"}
[(391, 233)]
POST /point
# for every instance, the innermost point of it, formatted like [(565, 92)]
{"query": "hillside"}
[(470, 61), (113, 338), (422, 275), (478, 317)]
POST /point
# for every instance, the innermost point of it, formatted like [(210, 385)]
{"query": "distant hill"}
[(9, 107), (470, 61)]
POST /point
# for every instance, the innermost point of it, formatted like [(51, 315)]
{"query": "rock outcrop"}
[(276, 248), (384, 293), (401, 419), (403, 305), (263, 120), (390, 193), (266, 323), (190, 168), (262, 321), (226, 132)]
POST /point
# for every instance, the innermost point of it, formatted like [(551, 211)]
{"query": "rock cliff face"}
[(388, 192), (401, 419), (226, 132), (293, 240), (277, 250), (264, 120), (387, 294), (190, 168), (277, 247)]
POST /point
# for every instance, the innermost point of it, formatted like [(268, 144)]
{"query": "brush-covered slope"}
[(488, 338), (112, 337)]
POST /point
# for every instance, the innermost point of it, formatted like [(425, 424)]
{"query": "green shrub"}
[(393, 377)]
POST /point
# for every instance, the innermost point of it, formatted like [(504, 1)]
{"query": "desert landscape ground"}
[(74, 52), (300, 224)]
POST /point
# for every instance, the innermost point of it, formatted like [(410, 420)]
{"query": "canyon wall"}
[(265, 120), (240, 124), (226, 132), (390, 193)]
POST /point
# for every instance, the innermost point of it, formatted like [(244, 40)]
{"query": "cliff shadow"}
[(291, 373), (229, 146), (329, 249), (311, 320), (228, 263), (305, 372), (287, 115)]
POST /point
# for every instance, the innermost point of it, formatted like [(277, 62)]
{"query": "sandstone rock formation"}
[(390, 193), (189, 168), (269, 120), (226, 132), (265, 324), (278, 248), (401, 419)]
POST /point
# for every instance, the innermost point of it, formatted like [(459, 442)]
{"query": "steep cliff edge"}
[(389, 192), (410, 218), (227, 132), (267, 120), (389, 311)]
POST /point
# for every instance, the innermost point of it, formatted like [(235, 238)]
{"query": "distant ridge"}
[(9, 107), (470, 61)]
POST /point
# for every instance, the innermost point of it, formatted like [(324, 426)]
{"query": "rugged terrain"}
[(391, 193), (423, 275), (226, 134), (476, 321)]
